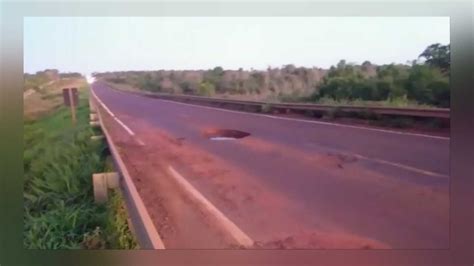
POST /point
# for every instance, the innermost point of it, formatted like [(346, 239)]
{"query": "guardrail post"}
[(93, 117), (101, 183), (94, 123), (92, 107), (98, 137)]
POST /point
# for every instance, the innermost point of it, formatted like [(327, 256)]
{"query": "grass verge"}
[(396, 102), (59, 208)]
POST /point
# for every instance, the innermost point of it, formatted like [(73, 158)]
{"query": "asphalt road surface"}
[(290, 183)]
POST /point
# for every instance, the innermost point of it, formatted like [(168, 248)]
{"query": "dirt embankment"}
[(47, 97)]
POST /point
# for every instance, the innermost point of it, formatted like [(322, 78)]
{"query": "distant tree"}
[(172, 76), (147, 82), (441, 93), (259, 78), (341, 64), (214, 76), (70, 75), (206, 88), (290, 69), (254, 83), (383, 89), (218, 71), (427, 85), (366, 65), (438, 55), (186, 87)]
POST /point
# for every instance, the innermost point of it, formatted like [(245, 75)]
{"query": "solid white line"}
[(152, 233), (405, 167), (309, 121), (113, 115), (227, 225), (103, 104), (124, 126), (140, 142), (381, 161)]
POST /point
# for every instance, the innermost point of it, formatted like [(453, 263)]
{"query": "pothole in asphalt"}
[(225, 134)]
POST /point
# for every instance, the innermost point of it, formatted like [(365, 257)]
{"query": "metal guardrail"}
[(441, 113), (143, 227)]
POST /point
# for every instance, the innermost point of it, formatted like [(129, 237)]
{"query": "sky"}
[(99, 44)]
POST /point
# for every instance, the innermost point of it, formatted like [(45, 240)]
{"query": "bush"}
[(441, 93), (206, 89), (423, 84)]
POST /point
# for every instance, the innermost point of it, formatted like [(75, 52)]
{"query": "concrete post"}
[(101, 183)]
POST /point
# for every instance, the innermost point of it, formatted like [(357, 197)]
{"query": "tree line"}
[(425, 80)]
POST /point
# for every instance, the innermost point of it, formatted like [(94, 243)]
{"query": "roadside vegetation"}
[(43, 91), (419, 84), (423, 82), (41, 78), (59, 160)]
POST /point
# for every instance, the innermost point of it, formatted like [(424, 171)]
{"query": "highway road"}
[(289, 184)]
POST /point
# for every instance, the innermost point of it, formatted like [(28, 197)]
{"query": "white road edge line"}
[(227, 225), (150, 228), (140, 142), (381, 161), (309, 121), (402, 166), (113, 115)]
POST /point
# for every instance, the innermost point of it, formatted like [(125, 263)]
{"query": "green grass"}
[(396, 102), (59, 209)]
